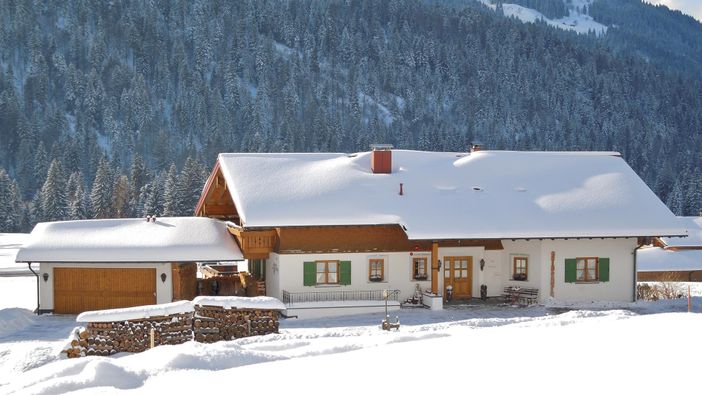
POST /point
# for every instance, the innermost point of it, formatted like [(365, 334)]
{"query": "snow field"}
[(476, 347), (612, 350)]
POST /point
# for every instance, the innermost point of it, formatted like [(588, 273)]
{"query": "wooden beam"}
[(219, 209), (435, 268)]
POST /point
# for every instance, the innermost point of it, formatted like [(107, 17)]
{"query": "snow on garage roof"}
[(168, 239), (694, 228), (486, 194)]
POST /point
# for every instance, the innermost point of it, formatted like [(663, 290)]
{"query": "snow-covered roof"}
[(137, 312), (486, 194), (694, 238), (10, 243), (656, 259), (168, 239)]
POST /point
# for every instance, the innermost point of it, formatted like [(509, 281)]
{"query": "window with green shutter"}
[(603, 269), (310, 274), (570, 268), (345, 273), (586, 270)]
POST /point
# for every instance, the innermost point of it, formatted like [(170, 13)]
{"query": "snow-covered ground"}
[(485, 348), (9, 244), (576, 20)]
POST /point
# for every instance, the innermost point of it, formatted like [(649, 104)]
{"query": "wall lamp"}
[(163, 277), (45, 276)]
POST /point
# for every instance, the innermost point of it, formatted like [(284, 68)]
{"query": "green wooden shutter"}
[(604, 269), (345, 272), (570, 270), (310, 274)]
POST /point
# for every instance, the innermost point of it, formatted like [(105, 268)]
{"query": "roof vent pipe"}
[(381, 158), (148, 218)]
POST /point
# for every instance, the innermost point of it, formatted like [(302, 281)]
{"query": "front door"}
[(458, 272)]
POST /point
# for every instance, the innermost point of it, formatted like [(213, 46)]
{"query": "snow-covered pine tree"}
[(170, 192), (53, 194), (17, 210), (138, 176), (77, 199), (101, 192), (150, 200), (189, 186), (120, 196), (7, 213)]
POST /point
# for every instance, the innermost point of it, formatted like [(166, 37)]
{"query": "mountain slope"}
[(96, 85)]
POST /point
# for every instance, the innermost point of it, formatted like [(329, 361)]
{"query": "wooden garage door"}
[(78, 289)]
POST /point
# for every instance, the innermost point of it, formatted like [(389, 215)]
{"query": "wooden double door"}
[(458, 273)]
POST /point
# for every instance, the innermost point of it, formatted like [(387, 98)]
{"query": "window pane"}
[(464, 264), (320, 278), (320, 266), (591, 274), (581, 264), (332, 267), (447, 274), (457, 274), (464, 273), (580, 275), (332, 278)]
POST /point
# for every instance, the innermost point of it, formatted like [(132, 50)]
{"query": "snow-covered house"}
[(673, 259), (112, 263), (343, 227)]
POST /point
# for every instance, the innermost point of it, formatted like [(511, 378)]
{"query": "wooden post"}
[(553, 273), (151, 338), (435, 268)]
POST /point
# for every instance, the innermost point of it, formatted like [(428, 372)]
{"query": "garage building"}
[(113, 263)]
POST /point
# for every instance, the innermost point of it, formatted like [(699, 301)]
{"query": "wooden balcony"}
[(255, 244)]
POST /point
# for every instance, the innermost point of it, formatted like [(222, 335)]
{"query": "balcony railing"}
[(290, 298)]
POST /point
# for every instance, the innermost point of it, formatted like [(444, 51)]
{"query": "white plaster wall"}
[(621, 282), (496, 275), (398, 273), (532, 250), (492, 275), (164, 290), (273, 276)]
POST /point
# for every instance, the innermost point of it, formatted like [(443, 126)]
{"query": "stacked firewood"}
[(214, 323), (108, 338), (77, 344)]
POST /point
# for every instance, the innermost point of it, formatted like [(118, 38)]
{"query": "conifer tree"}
[(170, 193), (77, 200), (53, 194), (189, 186), (9, 203), (101, 192)]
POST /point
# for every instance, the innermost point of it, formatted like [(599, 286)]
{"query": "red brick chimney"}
[(381, 158)]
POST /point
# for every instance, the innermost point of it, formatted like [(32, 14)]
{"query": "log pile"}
[(214, 323), (108, 338)]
